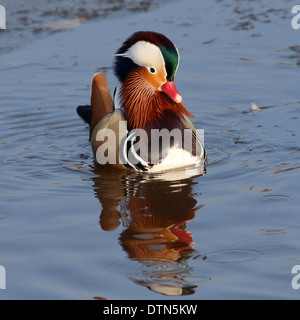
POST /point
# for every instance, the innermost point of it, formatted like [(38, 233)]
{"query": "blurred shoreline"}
[(31, 19)]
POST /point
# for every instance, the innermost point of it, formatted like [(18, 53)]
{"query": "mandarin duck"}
[(145, 127)]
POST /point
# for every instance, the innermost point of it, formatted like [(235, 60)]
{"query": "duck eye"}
[(152, 70)]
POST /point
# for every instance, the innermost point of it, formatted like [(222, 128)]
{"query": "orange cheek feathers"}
[(156, 80)]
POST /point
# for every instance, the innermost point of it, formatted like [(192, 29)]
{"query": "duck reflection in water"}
[(154, 210)]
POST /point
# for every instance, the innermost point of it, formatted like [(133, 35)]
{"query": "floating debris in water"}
[(209, 41), (254, 107), (66, 24)]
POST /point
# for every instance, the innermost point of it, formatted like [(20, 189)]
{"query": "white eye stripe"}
[(145, 54)]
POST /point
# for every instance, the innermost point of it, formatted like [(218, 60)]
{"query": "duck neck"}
[(136, 100), (143, 105)]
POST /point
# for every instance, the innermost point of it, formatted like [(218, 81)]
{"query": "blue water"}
[(71, 231)]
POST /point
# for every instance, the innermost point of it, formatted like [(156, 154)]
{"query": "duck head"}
[(146, 66)]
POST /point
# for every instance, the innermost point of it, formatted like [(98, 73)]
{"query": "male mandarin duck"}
[(145, 66)]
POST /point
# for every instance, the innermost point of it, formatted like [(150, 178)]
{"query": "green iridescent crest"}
[(171, 58)]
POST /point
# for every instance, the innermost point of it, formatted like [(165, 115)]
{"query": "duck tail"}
[(101, 102), (85, 112)]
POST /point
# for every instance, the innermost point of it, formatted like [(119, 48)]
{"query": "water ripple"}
[(275, 197), (166, 277), (233, 256)]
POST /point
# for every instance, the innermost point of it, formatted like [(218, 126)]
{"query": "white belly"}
[(177, 158)]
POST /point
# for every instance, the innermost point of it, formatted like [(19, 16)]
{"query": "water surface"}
[(69, 230)]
